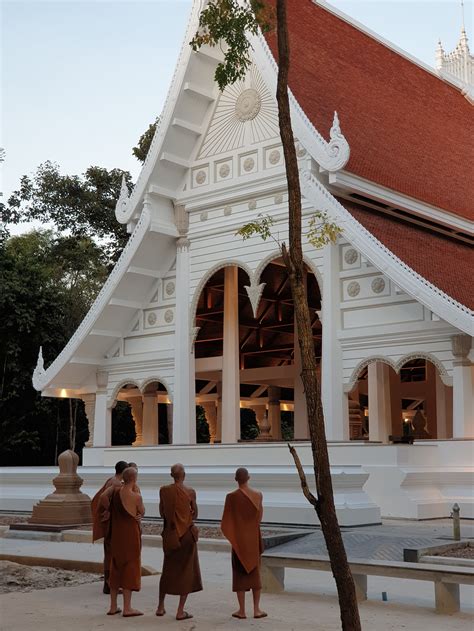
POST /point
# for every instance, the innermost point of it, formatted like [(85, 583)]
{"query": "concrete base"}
[(420, 481)]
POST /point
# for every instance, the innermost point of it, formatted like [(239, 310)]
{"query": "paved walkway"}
[(309, 603)]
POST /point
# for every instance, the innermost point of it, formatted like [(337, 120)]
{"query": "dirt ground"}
[(459, 553), (24, 578)]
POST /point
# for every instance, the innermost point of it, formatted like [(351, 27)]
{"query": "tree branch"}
[(304, 484)]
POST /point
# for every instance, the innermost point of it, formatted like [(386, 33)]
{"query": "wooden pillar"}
[(230, 360)]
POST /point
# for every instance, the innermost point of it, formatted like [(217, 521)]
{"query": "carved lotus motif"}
[(378, 285), (274, 157), (169, 288), (248, 105), (224, 170), (200, 177), (249, 164), (350, 256), (353, 289), (151, 318), (169, 315)]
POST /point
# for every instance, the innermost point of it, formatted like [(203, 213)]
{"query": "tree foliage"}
[(47, 284), (78, 205), (144, 142), (231, 21)]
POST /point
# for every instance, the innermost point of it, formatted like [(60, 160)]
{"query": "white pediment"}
[(245, 114)]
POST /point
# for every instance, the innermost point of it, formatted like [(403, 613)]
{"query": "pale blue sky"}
[(82, 80)]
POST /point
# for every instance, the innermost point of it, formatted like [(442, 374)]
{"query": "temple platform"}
[(420, 481)]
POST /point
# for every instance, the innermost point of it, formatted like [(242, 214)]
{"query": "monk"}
[(100, 519), (181, 574), (126, 510), (240, 524)]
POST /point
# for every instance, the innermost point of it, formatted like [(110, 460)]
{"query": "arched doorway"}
[(411, 403), (148, 411), (258, 353)]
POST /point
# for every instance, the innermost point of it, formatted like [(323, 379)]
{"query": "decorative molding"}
[(350, 256), (122, 203), (461, 346), (353, 289), (118, 387), (386, 261), (254, 291), (227, 211), (193, 335), (246, 113), (252, 204), (38, 373), (151, 318), (204, 216), (170, 288), (363, 364), (156, 378), (378, 285), (40, 381), (332, 155), (169, 316)]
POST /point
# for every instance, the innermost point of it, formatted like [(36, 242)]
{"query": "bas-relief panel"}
[(382, 314)]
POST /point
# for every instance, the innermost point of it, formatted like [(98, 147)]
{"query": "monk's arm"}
[(140, 505), (161, 508), (194, 507)]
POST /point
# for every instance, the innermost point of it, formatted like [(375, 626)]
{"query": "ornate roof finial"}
[(335, 131), (122, 201), (39, 371)]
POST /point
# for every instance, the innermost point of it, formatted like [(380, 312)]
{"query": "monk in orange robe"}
[(126, 509), (100, 521), (181, 574), (240, 524)]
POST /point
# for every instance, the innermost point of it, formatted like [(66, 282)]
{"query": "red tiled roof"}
[(407, 129), (442, 260)]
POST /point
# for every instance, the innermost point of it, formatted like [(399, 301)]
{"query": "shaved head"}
[(133, 464), (242, 475), (129, 475), (177, 472)]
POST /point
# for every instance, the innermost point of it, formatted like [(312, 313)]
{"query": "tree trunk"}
[(293, 258)]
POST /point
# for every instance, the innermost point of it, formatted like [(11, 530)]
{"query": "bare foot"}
[(260, 614), (239, 614), (112, 612), (160, 611), (183, 616), (132, 612)]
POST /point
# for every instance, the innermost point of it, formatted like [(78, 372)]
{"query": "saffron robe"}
[(125, 546), (100, 525), (181, 573), (240, 525)]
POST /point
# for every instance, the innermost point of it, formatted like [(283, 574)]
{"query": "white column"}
[(184, 408), (274, 412), (441, 417), (150, 419), (169, 420), (335, 400), (218, 438), (102, 413), (89, 407), (136, 404), (230, 360), (463, 402), (380, 411)]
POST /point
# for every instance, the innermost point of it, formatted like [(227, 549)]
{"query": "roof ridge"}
[(324, 4)]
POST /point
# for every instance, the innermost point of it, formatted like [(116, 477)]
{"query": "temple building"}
[(192, 315)]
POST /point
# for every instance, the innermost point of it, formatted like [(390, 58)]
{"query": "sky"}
[(80, 81)]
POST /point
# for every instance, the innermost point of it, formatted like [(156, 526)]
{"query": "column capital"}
[(461, 345), (102, 377)]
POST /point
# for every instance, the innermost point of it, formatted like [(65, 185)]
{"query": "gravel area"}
[(459, 553), (25, 578), (6, 520)]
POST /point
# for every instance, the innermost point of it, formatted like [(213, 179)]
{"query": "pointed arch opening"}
[(403, 404), (142, 417), (247, 355)]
